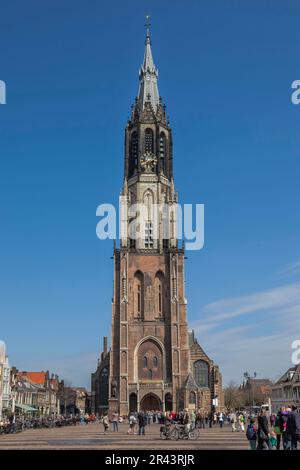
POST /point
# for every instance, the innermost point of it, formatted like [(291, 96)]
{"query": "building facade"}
[(36, 392), (5, 386), (257, 391), (74, 400), (154, 362), (286, 391), (100, 382), (24, 395)]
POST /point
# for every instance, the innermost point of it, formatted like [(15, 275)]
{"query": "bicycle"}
[(192, 434), (166, 432)]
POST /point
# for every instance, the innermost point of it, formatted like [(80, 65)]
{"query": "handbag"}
[(262, 435)]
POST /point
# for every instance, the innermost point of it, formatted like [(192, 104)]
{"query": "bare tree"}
[(234, 397)]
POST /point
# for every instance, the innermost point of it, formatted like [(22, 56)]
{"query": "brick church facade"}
[(154, 362)]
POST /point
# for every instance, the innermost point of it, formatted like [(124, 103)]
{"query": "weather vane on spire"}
[(148, 24)]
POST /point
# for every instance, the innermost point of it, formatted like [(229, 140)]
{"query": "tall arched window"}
[(139, 298), (148, 202), (133, 158), (150, 361), (201, 373), (159, 298), (159, 293), (162, 152), (149, 140), (138, 295), (192, 398)]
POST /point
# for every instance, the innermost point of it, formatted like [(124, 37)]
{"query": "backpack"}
[(250, 433)]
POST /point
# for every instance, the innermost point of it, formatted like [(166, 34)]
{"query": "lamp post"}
[(248, 377)]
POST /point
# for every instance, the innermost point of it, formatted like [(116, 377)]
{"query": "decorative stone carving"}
[(114, 387)]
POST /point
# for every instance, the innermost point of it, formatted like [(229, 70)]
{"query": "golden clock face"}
[(148, 161)]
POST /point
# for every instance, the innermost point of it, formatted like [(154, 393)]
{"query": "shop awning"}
[(25, 407)]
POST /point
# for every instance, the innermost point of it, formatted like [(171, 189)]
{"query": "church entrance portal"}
[(150, 402)]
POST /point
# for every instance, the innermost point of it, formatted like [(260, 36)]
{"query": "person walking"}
[(272, 440), (132, 423), (263, 431), (186, 421), (105, 422), (293, 427), (286, 438), (142, 420), (221, 419), (272, 420), (278, 427), (251, 434), (12, 421), (242, 422), (199, 420), (193, 419), (233, 421), (115, 421), (210, 419)]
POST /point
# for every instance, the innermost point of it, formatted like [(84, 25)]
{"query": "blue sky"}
[(225, 72)]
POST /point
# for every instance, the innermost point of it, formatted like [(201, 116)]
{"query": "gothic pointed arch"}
[(133, 153), (159, 288), (192, 397), (149, 360), (201, 373), (162, 152), (148, 140), (138, 295), (148, 202)]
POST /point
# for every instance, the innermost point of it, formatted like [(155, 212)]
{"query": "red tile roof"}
[(35, 377)]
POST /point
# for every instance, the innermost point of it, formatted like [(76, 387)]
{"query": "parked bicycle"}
[(167, 432), (184, 433)]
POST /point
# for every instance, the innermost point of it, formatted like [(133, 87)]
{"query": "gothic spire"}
[(148, 90)]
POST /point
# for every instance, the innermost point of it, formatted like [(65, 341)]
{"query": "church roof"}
[(148, 89), (195, 346), (190, 382)]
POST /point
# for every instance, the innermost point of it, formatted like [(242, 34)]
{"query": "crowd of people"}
[(276, 432), (139, 420), (262, 431), (281, 431), (14, 423), (268, 432)]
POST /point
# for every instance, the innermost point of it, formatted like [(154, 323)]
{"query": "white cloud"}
[(291, 269), (283, 296), (252, 332)]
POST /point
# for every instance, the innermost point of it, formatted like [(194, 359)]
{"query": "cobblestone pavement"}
[(91, 437)]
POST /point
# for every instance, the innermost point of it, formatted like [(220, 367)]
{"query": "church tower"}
[(151, 365)]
